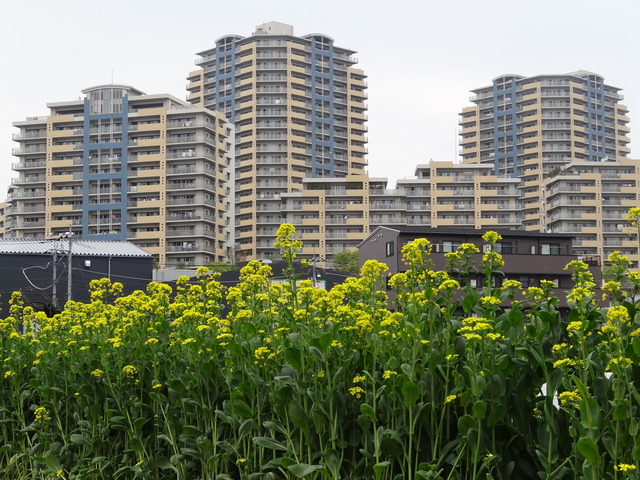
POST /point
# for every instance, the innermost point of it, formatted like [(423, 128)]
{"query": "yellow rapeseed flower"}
[(569, 398), (42, 415), (624, 467), (564, 362), (389, 374), (357, 391), (450, 398), (491, 237)]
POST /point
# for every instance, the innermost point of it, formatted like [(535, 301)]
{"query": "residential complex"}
[(298, 105), (333, 215), (565, 138), (273, 131), (526, 127), (529, 256), (122, 165)]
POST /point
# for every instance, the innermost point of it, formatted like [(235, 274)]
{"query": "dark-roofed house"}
[(39, 269), (529, 256)]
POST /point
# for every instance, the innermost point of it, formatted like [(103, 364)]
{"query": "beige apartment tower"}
[(122, 165), (565, 137), (298, 105), (333, 215)]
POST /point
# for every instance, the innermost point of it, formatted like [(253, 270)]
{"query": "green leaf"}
[(479, 409), (245, 427), (52, 462), (465, 423), (410, 393), (589, 450), (298, 416), (470, 300), (316, 353), (379, 467), (366, 409), (79, 439), (589, 410), (240, 408), (301, 470), (621, 412), (293, 357), (270, 443), (164, 464)]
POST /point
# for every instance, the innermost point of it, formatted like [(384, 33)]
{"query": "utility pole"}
[(69, 236), (54, 291)]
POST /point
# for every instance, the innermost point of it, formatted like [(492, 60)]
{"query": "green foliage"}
[(347, 262), (289, 381), (222, 267)]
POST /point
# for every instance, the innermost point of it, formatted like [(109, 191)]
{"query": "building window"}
[(550, 249), (450, 246), (389, 249), (499, 248)]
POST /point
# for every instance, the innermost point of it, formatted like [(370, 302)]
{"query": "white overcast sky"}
[(421, 56)]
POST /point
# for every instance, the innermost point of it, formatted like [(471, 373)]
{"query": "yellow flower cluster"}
[(624, 467), (42, 415), (357, 391), (491, 237), (619, 362), (570, 399), (477, 328), (564, 362)]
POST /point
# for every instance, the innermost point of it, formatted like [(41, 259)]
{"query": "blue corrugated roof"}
[(90, 248)]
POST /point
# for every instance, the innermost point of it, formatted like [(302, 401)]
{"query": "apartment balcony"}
[(187, 232), (32, 224), (26, 165), (144, 219), (189, 185), (146, 157), (27, 194), (29, 180), (29, 135), (29, 150), (27, 210)]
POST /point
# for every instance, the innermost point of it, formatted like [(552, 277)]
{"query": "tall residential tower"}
[(565, 137), (527, 127), (298, 105), (122, 165)]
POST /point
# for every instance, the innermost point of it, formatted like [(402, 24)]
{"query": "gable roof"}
[(88, 248), (425, 231)]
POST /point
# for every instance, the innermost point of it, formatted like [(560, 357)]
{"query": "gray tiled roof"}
[(90, 248)]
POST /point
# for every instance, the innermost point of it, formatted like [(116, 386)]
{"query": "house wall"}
[(33, 276)]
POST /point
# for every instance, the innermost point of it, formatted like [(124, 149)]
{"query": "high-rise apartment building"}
[(565, 137), (122, 165), (298, 105), (590, 201), (333, 215), (526, 127)]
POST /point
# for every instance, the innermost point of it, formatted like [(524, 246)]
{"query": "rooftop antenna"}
[(112, 76)]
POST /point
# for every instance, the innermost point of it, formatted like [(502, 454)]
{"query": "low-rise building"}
[(50, 272), (529, 256), (121, 165)]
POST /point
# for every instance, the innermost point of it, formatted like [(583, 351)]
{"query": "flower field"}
[(285, 381)]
